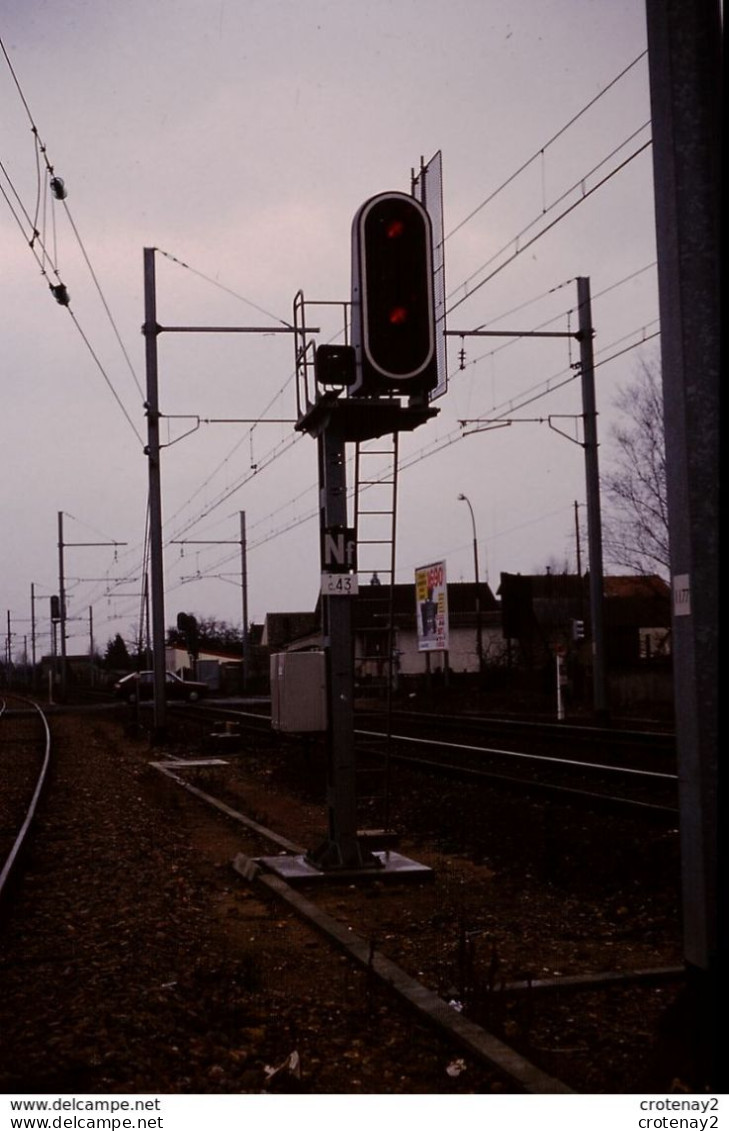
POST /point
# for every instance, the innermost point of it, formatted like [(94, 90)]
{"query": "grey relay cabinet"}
[(298, 692)]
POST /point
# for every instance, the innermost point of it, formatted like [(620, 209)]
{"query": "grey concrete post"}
[(156, 561), (594, 519), (684, 42)]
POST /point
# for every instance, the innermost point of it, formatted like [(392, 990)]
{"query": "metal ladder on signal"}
[(375, 517)]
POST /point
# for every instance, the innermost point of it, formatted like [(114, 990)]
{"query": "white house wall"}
[(462, 654)]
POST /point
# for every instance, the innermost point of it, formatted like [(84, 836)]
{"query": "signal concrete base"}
[(297, 869)]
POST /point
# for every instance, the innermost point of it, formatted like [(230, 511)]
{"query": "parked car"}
[(140, 685)]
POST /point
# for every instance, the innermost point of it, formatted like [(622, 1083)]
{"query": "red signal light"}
[(393, 317)]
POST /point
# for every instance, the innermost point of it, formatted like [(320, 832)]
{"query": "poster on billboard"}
[(431, 607)]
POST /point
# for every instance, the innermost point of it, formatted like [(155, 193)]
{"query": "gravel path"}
[(135, 960)]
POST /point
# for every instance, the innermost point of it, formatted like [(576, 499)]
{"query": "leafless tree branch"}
[(634, 485)]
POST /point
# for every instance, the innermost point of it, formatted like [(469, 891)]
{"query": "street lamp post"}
[(479, 638)]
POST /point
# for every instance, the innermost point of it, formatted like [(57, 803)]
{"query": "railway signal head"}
[(393, 315), (187, 626), (335, 365)]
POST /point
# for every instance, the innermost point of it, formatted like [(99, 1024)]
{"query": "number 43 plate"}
[(339, 584)]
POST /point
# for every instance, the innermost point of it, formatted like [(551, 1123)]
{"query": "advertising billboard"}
[(431, 607)]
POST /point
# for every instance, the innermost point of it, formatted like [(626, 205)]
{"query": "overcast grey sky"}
[(241, 138)]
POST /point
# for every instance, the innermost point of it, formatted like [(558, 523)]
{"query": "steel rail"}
[(523, 783), (30, 813), (545, 758), (517, 754), (546, 729), (536, 786)]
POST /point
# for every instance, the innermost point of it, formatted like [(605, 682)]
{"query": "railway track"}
[(25, 754), (652, 791), (646, 746), (160, 945), (623, 768)]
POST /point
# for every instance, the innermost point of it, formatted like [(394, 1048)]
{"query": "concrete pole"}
[(244, 596), (62, 607), (54, 656), (577, 539), (685, 66), (156, 558), (147, 626), (32, 630), (560, 701), (91, 646), (594, 520)]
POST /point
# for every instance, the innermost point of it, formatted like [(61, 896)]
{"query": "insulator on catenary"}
[(60, 294), (58, 188)]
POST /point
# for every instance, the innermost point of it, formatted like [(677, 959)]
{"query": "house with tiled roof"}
[(541, 611), (543, 614), (375, 606)]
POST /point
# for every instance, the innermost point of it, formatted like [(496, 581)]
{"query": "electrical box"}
[(209, 672), (298, 692)]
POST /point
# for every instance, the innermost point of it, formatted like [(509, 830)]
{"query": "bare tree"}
[(634, 485)]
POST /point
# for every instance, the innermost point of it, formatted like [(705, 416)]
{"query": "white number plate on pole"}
[(339, 584)]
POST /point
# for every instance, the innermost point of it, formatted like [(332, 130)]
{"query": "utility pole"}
[(91, 646), (243, 544), (577, 539), (584, 336), (62, 607), (244, 593), (685, 68), (62, 547), (54, 656), (32, 630), (151, 331), (592, 478), (156, 559), (147, 625)]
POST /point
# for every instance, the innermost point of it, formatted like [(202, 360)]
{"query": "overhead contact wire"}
[(540, 152), (530, 243)]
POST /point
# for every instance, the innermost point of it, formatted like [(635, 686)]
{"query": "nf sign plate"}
[(339, 549)]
